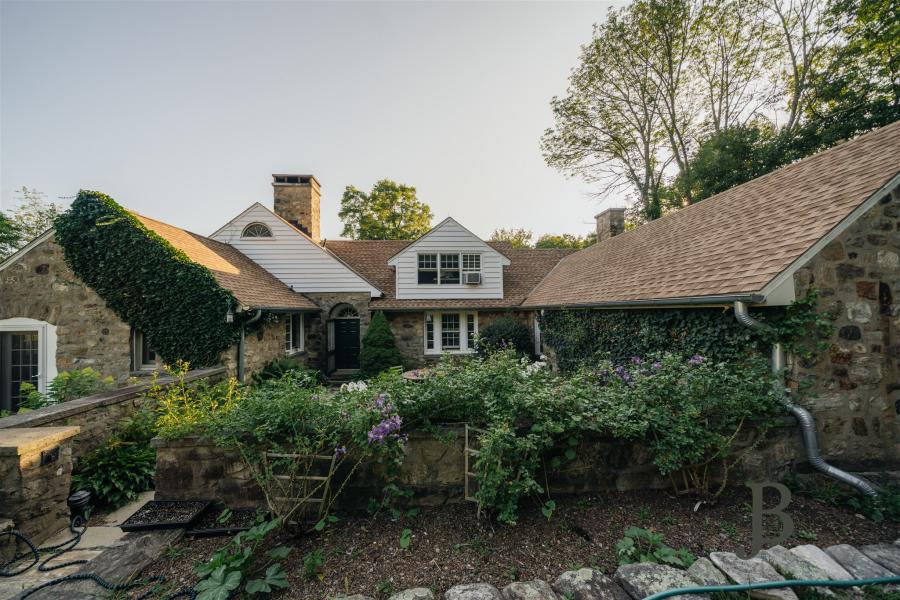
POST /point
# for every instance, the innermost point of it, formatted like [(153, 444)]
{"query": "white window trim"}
[(46, 346), (289, 348), (463, 332), (461, 269), (255, 238)]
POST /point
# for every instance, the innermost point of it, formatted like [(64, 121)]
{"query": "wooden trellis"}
[(469, 451), (298, 487)]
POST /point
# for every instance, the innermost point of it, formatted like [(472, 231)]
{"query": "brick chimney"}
[(610, 223), (297, 200)]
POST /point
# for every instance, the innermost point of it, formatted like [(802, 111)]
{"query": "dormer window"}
[(446, 268), (428, 268), (256, 230), (449, 269)]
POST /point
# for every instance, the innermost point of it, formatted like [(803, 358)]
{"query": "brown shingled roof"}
[(252, 285), (370, 258), (733, 243)]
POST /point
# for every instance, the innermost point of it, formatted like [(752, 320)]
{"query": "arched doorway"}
[(343, 338)]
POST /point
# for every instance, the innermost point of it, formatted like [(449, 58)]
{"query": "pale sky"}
[(182, 111)]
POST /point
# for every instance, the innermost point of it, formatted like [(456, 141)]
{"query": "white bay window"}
[(452, 332)]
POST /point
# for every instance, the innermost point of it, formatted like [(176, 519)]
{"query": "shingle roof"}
[(370, 259), (251, 284), (734, 242)]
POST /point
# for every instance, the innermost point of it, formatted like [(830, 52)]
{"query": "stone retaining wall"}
[(96, 415), (433, 469)]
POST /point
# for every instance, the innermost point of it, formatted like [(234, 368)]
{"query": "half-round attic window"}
[(256, 230)]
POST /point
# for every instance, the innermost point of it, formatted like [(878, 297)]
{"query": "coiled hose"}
[(77, 526), (743, 587)]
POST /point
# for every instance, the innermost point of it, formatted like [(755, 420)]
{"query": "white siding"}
[(449, 237), (290, 256)]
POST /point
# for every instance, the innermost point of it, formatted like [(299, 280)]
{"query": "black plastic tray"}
[(214, 531), (183, 524)]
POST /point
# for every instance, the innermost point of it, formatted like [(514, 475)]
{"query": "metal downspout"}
[(240, 357), (804, 418)]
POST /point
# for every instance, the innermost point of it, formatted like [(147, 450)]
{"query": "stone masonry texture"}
[(855, 391)]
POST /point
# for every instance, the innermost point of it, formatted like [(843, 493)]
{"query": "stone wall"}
[(409, 331), (35, 473), (433, 469), (40, 286), (855, 393), (262, 346), (98, 415)]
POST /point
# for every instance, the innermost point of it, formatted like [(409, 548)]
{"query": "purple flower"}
[(340, 451), (636, 360), (384, 429), (656, 365), (697, 360), (623, 374)]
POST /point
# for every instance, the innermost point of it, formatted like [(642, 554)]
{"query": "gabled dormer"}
[(448, 262)]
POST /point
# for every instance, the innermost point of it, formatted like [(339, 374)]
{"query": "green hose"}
[(743, 587)]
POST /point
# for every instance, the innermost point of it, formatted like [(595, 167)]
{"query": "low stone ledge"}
[(66, 410)]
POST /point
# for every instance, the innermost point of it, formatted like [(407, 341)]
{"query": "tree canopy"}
[(515, 237), (391, 211), (566, 240), (675, 100), (33, 216)]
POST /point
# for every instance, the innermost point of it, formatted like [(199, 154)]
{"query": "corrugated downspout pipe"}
[(240, 358), (804, 418)]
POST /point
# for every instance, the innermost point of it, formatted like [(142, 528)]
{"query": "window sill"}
[(454, 352), (297, 352)]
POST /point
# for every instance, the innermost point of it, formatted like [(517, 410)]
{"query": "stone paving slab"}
[(537, 589), (821, 559), (752, 570), (858, 564), (645, 579), (588, 584), (886, 555), (793, 567)]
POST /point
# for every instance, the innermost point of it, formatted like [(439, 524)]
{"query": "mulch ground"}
[(450, 545)]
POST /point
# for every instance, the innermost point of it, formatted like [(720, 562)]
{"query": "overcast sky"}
[(182, 111)]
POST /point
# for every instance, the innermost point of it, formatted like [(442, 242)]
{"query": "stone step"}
[(821, 559), (858, 564), (793, 567), (752, 570), (886, 555), (706, 573), (645, 579)]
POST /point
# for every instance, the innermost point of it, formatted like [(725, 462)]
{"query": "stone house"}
[(829, 222)]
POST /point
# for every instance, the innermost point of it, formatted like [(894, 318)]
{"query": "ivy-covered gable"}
[(150, 284)]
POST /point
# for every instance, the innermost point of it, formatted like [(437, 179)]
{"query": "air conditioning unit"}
[(471, 278)]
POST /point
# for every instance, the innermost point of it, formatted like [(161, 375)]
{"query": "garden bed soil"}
[(207, 524), (450, 545), (164, 514)]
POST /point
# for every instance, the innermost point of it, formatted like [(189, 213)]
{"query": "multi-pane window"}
[(293, 333), (449, 268), (450, 332), (144, 356), (256, 230), (446, 269), (428, 268)]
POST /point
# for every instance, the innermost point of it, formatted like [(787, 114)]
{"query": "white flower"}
[(534, 367), (354, 386)]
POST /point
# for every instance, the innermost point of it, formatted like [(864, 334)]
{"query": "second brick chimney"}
[(297, 199), (610, 223)]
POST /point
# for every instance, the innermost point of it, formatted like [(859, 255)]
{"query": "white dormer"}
[(289, 254), (448, 262)]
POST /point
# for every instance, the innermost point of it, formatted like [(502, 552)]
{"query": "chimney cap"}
[(614, 209), (293, 179)]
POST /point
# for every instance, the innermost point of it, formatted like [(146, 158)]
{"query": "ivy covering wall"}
[(576, 335), (175, 302)]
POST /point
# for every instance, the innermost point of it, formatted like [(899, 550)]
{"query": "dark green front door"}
[(346, 333)]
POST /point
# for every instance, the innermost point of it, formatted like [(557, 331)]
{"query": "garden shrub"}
[(379, 350), (279, 367), (502, 333), (68, 385), (145, 280), (123, 467), (184, 408)]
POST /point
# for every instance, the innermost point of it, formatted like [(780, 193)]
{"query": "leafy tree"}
[(391, 211), (566, 240), (517, 238), (34, 215), (379, 350), (504, 333), (10, 236)]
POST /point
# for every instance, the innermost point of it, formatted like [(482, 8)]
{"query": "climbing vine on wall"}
[(576, 335), (150, 284)]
